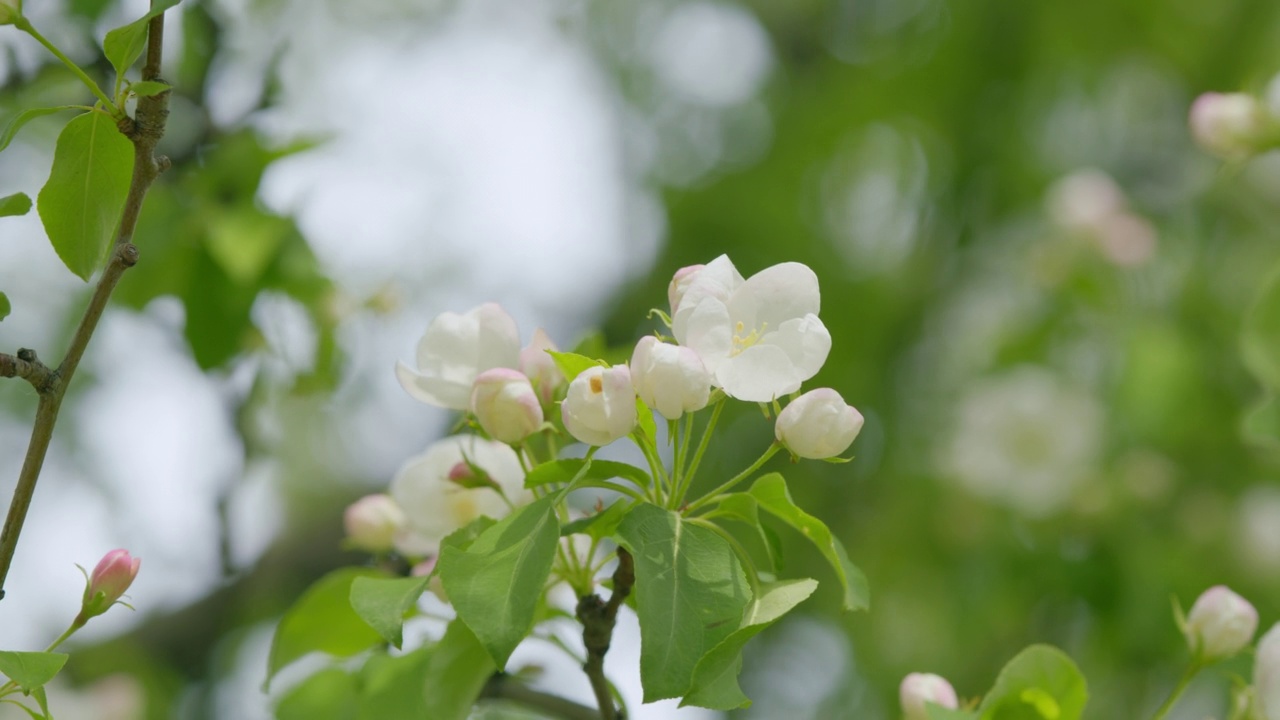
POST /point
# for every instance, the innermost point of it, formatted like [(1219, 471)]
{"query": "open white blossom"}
[(761, 337), (435, 500), (456, 348)]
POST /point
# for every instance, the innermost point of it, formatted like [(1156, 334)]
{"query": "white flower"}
[(669, 378), (600, 406), (680, 282), (539, 367), (818, 425), (1266, 674), (373, 521), (455, 349), (1220, 624), (436, 505), (917, 689), (1229, 125), (504, 402), (760, 338)]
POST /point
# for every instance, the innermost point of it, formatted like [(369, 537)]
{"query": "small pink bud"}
[(919, 689), (506, 405), (1229, 125), (372, 522), (540, 368), (1220, 624), (471, 476), (113, 575)]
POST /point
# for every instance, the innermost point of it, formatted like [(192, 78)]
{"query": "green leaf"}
[(81, 202), (457, 671), (937, 712), (1260, 333), (31, 713), (715, 679), (11, 130), (384, 603), (744, 509), (5, 307), (601, 525), (690, 594), (644, 420), (467, 534), (31, 670), (322, 620), (772, 494), (123, 45), (562, 471), (148, 88), (572, 364), (330, 694), (42, 700), (1040, 683), (392, 687), (15, 204), (496, 583)]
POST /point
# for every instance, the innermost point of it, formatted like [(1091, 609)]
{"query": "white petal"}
[(777, 294), (708, 332), (758, 374), (497, 338), (448, 341), (433, 390), (806, 341)]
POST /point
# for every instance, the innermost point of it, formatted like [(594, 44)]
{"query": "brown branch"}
[(28, 367), (598, 618), (502, 687), (144, 131)]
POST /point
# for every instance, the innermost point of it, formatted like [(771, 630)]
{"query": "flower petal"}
[(775, 295), (433, 390), (497, 338), (706, 330), (758, 374), (806, 341)]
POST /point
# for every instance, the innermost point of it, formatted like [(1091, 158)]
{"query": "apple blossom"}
[(818, 425), (1266, 674), (372, 522), (435, 505), (1220, 624), (113, 574), (456, 348), (669, 378), (504, 402), (761, 337), (920, 689), (600, 406), (680, 283), (1229, 125), (541, 368)]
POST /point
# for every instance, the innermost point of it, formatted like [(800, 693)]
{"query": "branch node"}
[(128, 254), (27, 355), (163, 163)]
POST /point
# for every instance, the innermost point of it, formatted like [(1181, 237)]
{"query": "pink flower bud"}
[(600, 406), (1220, 624), (818, 425), (1229, 125), (113, 575), (372, 522), (504, 402), (920, 689), (539, 367)]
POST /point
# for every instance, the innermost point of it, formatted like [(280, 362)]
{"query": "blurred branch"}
[(502, 687), (598, 618), (28, 367), (144, 131)]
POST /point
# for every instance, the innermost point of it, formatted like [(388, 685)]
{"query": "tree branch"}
[(502, 687), (28, 367), (144, 132), (598, 618)]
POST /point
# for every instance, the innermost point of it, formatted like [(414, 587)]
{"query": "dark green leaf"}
[(772, 494), (15, 204), (22, 118), (602, 524), (392, 687), (458, 669), (331, 694), (322, 620), (1041, 682), (572, 364), (31, 670), (744, 509), (147, 88), (715, 680), (81, 202), (562, 471), (384, 603), (495, 584), (123, 45), (690, 595)]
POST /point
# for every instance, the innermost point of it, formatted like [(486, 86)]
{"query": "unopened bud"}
[(107, 583), (541, 368), (1229, 125), (504, 402), (10, 11), (1220, 624), (918, 690), (372, 522), (818, 425)]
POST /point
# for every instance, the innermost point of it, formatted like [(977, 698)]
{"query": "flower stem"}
[(1178, 689), (697, 455), (711, 496), (25, 25)]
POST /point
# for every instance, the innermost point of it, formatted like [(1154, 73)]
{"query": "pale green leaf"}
[(715, 679), (1039, 682), (562, 471), (81, 202), (331, 694), (600, 525), (15, 204), (457, 671), (392, 686), (572, 364), (30, 713), (772, 494), (123, 46), (1260, 333), (937, 712), (495, 583), (1261, 424), (148, 88), (322, 620), (644, 421), (384, 603), (690, 594), (31, 670), (14, 125)]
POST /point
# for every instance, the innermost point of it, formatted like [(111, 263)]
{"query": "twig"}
[(598, 618), (502, 687), (144, 132), (28, 367)]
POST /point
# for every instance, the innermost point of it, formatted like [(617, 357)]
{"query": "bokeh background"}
[(1034, 281)]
